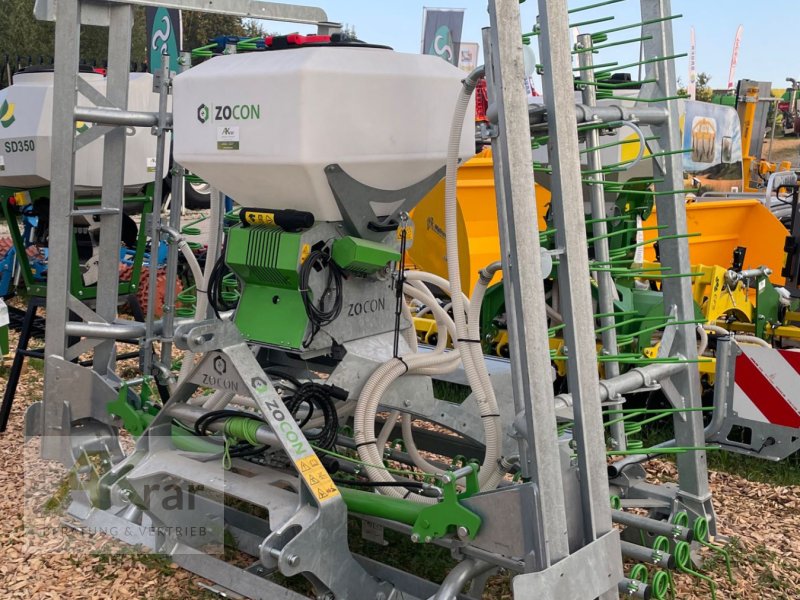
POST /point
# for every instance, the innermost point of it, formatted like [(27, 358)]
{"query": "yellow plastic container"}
[(479, 242)]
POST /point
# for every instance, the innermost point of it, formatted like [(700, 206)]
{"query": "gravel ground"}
[(761, 520)]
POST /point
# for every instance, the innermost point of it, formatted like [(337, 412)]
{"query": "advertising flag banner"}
[(468, 56), (164, 36), (735, 57), (441, 33), (692, 87)]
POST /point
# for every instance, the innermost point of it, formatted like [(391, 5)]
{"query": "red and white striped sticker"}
[(767, 386)]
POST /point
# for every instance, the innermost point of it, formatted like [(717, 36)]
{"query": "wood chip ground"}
[(761, 520)]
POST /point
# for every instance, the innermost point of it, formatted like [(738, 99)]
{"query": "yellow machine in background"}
[(724, 225), (719, 146), (477, 222), (755, 168)]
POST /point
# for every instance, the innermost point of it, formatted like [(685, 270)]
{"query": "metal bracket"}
[(355, 201), (599, 566)]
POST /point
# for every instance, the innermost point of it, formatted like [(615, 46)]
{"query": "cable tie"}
[(403, 363), (366, 443), (492, 415), (469, 341)]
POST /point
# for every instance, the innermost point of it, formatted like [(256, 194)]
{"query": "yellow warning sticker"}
[(260, 218), (409, 231), (317, 478)]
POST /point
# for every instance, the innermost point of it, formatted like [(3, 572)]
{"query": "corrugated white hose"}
[(553, 314), (387, 428), (444, 323), (368, 402), (409, 333), (751, 339), (703, 344), (370, 450), (411, 448), (418, 291), (474, 316), (191, 259), (197, 275), (471, 352), (202, 295), (218, 400), (716, 329), (439, 282), (446, 327), (473, 327), (738, 337)]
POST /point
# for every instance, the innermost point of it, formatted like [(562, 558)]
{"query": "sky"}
[(766, 51)]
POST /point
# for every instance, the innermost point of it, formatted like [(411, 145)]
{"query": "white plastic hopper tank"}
[(262, 126), (26, 133)]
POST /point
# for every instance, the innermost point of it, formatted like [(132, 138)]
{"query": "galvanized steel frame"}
[(533, 396)]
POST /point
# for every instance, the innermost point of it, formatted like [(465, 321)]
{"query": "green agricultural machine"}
[(307, 410)]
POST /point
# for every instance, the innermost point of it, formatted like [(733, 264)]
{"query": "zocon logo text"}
[(442, 44), (6, 114), (237, 112)]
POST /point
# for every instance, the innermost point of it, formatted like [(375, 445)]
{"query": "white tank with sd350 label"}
[(263, 126), (26, 113)]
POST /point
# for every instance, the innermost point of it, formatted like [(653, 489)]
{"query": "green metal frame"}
[(77, 287)]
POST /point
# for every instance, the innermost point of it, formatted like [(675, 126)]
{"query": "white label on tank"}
[(227, 138), (151, 164)]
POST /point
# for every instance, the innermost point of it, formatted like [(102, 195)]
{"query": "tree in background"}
[(33, 41), (26, 40), (198, 28), (703, 91)]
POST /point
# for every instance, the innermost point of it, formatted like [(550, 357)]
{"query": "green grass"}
[(783, 473), (450, 392), (37, 364), (428, 561), (752, 468), (760, 557), (60, 498)]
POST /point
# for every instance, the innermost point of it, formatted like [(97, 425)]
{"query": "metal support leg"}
[(605, 283), (684, 389), (155, 217), (573, 270), (65, 85), (524, 287), (119, 52)]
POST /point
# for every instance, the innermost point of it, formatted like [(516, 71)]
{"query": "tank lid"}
[(50, 69), (295, 40)]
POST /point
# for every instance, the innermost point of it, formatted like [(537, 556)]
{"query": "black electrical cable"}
[(318, 314), (356, 482), (399, 298), (239, 450), (277, 372), (316, 396), (215, 282)]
